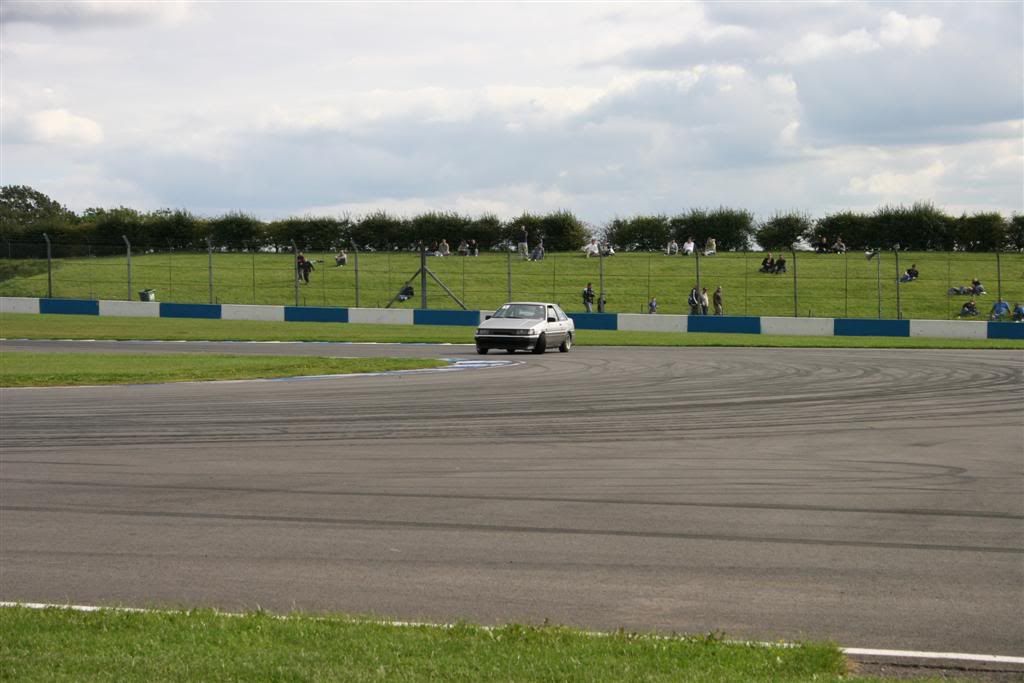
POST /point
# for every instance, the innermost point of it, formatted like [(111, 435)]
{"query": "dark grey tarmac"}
[(870, 497)]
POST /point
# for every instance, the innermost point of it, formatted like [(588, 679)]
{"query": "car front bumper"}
[(506, 342)]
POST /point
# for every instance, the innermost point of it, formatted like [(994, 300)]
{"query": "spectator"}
[(710, 247), (910, 274), (780, 265), (704, 301), (673, 248), (839, 247), (524, 243), (1000, 310), (591, 249), (767, 264), (474, 250), (968, 309), (652, 305), (305, 267), (719, 306), (538, 252), (588, 298), (463, 249), (443, 249), (601, 303), (341, 259), (976, 287), (694, 301), (1018, 313), (606, 249), (688, 247), (822, 247)]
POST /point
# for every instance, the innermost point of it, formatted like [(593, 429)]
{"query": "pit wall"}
[(817, 327)]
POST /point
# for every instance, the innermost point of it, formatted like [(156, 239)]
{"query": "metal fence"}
[(854, 284)]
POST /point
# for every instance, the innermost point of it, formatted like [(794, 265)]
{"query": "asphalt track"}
[(870, 497)]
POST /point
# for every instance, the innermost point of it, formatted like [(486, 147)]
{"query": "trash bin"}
[(147, 295)]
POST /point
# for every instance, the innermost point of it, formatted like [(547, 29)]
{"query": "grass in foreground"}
[(24, 369), (29, 326), (65, 645)]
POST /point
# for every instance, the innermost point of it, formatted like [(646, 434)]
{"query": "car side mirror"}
[(487, 317), (552, 320)]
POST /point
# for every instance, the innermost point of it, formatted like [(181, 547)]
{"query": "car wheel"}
[(542, 343), (482, 350), (510, 350), (567, 344)]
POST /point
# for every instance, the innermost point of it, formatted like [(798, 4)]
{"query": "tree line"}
[(26, 214)]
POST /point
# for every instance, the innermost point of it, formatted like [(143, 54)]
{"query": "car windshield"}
[(520, 311)]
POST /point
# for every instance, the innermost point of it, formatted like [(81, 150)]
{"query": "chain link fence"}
[(851, 285)]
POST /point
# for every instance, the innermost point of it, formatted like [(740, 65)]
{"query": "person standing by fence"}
[(694, 301), (588, 298), (719, 306), (524, 244)]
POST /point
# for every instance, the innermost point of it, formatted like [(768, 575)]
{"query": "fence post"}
[(746, 278), (295, 270), (89, 269), (170, 270), (355, 264), (128, 247), (600, 272), (423, 276), (899, 306), (796, 306), (209, 264), (253, 276), (49, 268), (879, 278), (509, 255), (696, 255), (999, 277), (846, 285), (554, 281)]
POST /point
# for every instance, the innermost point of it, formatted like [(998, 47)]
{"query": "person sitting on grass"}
[(839, 247), (1000, 310), (767, 265), (969, 309), (780, 265), (591, 249), (1018, 313), (822, 247), (341, 259), (688, 247), (710, 247), (673, 248), (976, 287), (463, 249), (910, 274)]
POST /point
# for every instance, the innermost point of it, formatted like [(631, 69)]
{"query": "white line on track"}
[(853, 651)]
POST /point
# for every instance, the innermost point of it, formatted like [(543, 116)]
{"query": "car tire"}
[(542, 343), (567, 344), (482, 350), (510, 350)]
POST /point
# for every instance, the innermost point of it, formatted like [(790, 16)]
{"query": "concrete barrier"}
[(130, 309), (809, 327), (246, 312), (949, 329), (18, 304), (638, 322), (380, 316)]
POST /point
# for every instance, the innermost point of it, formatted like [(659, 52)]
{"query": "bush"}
[(783, 231)]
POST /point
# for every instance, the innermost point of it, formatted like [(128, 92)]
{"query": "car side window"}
[(561, 315), (551, 313)]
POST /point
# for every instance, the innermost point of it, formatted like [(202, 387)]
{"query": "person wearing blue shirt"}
[(1018, 313), (1000, 309)]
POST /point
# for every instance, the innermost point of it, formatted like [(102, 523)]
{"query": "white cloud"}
[(82, 13), (889, 184), (59, 126), (919, 32), (813, 46)]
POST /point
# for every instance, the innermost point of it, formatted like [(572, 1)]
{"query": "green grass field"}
[(26, 369), (827, 285), (29, 326), (108, 645)]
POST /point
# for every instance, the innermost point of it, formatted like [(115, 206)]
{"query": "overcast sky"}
[(604, 109)]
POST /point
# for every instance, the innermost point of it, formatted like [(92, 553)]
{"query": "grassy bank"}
[(827, 285), (27, 326), (23, 369), (65, 645)]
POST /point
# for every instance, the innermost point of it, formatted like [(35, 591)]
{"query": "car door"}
[(556, 329)]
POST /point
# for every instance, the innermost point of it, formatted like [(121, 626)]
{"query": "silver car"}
[(526, 325)]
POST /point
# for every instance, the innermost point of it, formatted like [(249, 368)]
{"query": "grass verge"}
[(30, 326), (64, 645), (25, 369)]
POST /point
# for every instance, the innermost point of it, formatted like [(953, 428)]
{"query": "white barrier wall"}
[(130, 309), (380, 316), (13, 304), (809, 327), (949, 329), (244, 312), (637, 322)]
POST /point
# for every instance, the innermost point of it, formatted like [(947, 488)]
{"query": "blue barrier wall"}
[(854, 327), (69, 306), (429, 317), (1006, 330), (208, 311), (721, 323), (595, 321), (314, 314)]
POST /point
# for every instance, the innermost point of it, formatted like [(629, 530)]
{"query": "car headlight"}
[(481, 333), (526, 332)]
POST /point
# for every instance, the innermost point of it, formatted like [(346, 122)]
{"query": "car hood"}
[(510, 323)]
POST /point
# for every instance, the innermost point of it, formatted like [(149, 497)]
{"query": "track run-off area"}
[(870, 497)]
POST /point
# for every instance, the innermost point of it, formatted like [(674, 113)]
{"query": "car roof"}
[(528, 303)]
